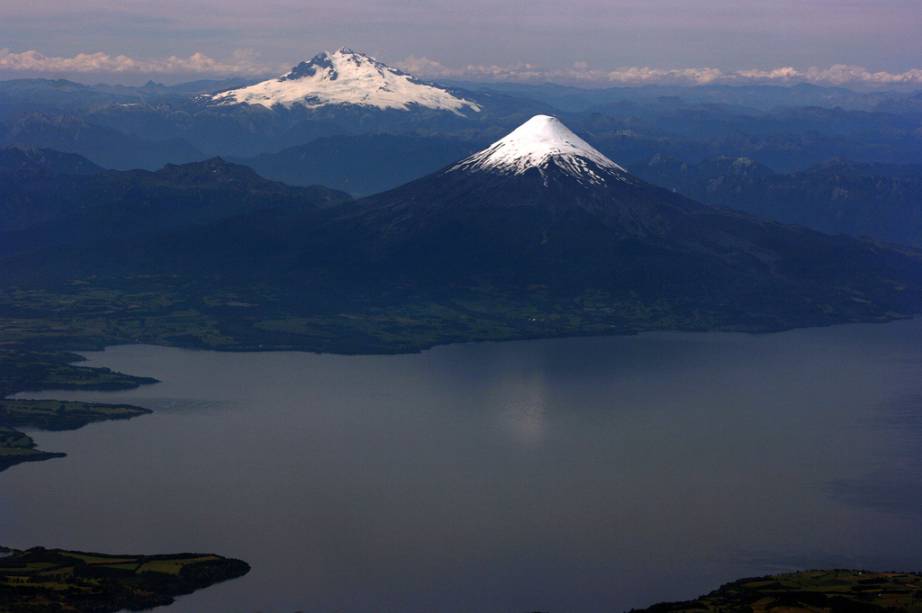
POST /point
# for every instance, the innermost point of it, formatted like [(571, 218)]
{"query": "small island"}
[(55, 415), (46, 580), (812, 590)]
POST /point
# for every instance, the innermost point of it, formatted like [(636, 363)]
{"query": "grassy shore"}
[(41, 328), (811, 591), (53, 580), (17, 447)]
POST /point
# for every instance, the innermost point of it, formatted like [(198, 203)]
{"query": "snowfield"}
[(535, 144), (346, 77)]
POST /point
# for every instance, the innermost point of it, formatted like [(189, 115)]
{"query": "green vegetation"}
[(41, 326), (813, 591), (37, 329), (52, 580), (86, 316), (62, 415), (16, 447), (24, 369)]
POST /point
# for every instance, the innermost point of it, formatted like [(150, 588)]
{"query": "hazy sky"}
[(241, 35)]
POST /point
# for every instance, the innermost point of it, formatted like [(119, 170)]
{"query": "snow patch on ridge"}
[(346, 77), (535, 144)]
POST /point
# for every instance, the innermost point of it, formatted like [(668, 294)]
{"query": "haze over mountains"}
[(883, 201), (49, 199), (361, 164)]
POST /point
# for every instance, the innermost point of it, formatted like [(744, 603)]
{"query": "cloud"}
[(838, 74), (843, 73), (426, 67), (698, 76), (245, 62), (242, 62)]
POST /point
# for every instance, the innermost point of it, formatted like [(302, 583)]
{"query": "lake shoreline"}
[(59, 580), (104, 379), (471, 349)]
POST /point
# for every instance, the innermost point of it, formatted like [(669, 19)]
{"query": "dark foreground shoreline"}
[(54, 415), (54, 580), (846, 591)]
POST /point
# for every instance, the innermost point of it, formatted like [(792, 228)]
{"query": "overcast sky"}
[(458, 35)]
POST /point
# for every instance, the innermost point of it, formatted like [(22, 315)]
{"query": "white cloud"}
[(843, 74), (698, 76), (426, 67), (839, 74), (245, 62), (242, 62)]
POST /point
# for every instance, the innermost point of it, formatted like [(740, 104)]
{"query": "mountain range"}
[(346, 94), (538, 234), (881, 201), (543, 209), (104, 145), (50, 199), (360, 164)]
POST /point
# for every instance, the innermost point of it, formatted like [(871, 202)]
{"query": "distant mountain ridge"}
[(882, 201), (788, 128), (103, 145), (24, 163), (52, 199), (360, 164)]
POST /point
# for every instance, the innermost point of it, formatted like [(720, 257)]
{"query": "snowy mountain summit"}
[(346, 77), (539, 143)]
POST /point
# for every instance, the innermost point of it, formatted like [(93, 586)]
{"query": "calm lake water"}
[(591, 474)]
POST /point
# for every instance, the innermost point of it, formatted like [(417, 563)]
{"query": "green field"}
[(16, 447), (52, 580), (815, 591), (41, 328)]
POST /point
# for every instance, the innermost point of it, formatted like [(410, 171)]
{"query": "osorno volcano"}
[(538, 234), (542, 213)]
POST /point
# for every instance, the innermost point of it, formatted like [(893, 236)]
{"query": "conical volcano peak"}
[(535, 144), (546, 133)]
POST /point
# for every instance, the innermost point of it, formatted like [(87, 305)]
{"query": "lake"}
[(588, 474)]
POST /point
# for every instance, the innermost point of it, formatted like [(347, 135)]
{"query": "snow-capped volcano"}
[(346, 77), (539, 143)]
